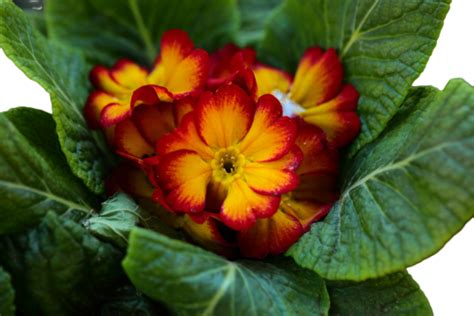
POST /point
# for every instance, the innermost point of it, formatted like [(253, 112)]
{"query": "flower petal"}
[(184, 176), (174, 47), (154, 121), (96, 102), (180, 68), (231, 64), (265, 179), (128, 74), (129, 179), (186, 137), (318, 77), (102, 80), (114, 113), (183, 107), (207, 234), (270, 236), (243, 206), (129, 140), (270, 79), (270, 136), (307, 212), (223, 118), (317, 157), (337, 117), (321, 187), (150, 95), (190, 75)]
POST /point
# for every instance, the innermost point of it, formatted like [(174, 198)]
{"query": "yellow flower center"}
[(227, 165), (290, 107)]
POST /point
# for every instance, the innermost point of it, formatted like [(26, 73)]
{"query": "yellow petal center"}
[(227, 165)]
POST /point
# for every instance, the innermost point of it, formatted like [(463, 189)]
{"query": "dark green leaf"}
[(132, 28), (192, 281), (128, 301), (253, 16), (34, 175), (384, 44), (118, 216), (62, 72), (62, 268), (7, 294), (395, 294), (405, 195)]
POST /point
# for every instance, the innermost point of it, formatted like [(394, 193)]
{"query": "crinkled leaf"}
[(405, 195), (7, 294), (394, 294), (62, 269), (118, 216), (132, 28), (63, 73), (34, 175), (192, 281), (384, 45), (129, 301), (253, 16)]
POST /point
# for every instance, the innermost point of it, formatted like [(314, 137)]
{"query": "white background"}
[(447, 278)]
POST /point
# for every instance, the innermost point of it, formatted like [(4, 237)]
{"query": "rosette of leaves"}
[(406, 190)]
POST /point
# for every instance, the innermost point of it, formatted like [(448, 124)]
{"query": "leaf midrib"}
[(356, 33), (50, 196), (399, 165)]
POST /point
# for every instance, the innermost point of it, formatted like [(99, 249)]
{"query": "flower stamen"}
[(227, 164)]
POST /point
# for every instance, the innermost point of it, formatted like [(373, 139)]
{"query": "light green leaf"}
[(7, 294), (133, 28), (253, 16), (63, 73), (395, 294), (118, 216), (34, 175), (405, 195), (192, 281), (384, 45), (63, 269)]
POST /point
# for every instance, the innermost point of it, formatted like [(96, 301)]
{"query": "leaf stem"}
[(145, 34)]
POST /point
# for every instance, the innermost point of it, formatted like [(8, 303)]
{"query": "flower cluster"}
[(241, 156)]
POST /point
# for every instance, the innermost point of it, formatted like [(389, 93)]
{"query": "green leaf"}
[(118, 216), (405, 195), (395, 294), (384, 45), (192, 281), (132, 28), (63, 73), (253, 16), (128, 301), (62, 268), (7, 294), (34, 175)]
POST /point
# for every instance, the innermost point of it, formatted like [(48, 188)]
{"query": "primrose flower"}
[(316, 93), (179, 71), (237, 154), (230, 157)]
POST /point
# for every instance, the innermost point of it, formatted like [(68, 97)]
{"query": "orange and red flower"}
[(233, 154), (179, 71), (316, 94), (238, 154)]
